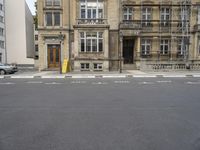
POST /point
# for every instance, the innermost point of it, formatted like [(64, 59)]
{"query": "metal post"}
[(61, 38), (120, 53)]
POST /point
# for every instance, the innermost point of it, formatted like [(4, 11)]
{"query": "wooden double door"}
[(53, 56)]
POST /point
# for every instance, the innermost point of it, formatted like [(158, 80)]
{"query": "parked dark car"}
[(7, 69)]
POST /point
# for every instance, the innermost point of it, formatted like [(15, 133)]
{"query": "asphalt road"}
[(100, 114)]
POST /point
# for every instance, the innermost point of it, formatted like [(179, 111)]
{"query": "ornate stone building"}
[(103, 35)]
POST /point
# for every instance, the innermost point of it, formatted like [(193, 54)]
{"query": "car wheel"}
[(2, 72)]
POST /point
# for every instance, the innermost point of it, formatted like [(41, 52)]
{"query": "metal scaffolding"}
[(179, 25)]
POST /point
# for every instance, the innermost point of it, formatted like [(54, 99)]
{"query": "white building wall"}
[(19, 32), (2, 37)]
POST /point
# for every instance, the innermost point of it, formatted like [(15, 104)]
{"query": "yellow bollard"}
[(65, 66)]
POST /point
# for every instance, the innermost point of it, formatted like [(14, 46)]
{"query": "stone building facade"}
[(104, 35), (2, 32)]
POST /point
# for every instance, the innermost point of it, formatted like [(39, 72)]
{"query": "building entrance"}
[(128, 51), (53, 56)]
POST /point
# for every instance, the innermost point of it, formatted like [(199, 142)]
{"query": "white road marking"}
[(78, 82), (34, 82), (7, 83), (164, 81), (146, 83), (196, 75), (194, 83), (121, 82), (99, 83), (53, 83)]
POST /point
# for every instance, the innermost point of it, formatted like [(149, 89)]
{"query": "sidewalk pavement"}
[(31, 74)]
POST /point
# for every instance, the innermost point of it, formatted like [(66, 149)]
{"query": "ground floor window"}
[(98, 66), (145, 46), (199, 46), (91, 41), (182, 46), (164, 46), (85, 66)]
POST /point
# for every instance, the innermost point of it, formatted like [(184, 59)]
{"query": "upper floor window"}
[(36, 37), (1, 7), (2, 44), (198, 16), (36, 48), (184, 19), (91, 41), (1, 19), (146, 16), (128, 13), (165, 16), (53, 2), (52, 18), (91, 9), (1, 32)]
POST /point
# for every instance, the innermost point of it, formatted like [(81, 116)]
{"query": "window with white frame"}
[(91, 41), (85, 66), (1, 19), (164, 46), (1, 31), (91, 9), (2, 44), (198, 46), (184, 18), (128, 13), (146, 46), (98, 66), (198, 16), (182, 46), (165, 16), (1, 7), (146, 16), (52, 18), (53, 2)]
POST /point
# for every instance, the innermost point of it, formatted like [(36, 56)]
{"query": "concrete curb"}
[(99, 76)]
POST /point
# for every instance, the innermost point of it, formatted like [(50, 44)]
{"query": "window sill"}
[(145, 55), (52, 7), (91, 52), (164, 54)]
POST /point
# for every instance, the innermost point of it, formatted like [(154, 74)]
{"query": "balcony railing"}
[(130, 24), (91, 21)]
